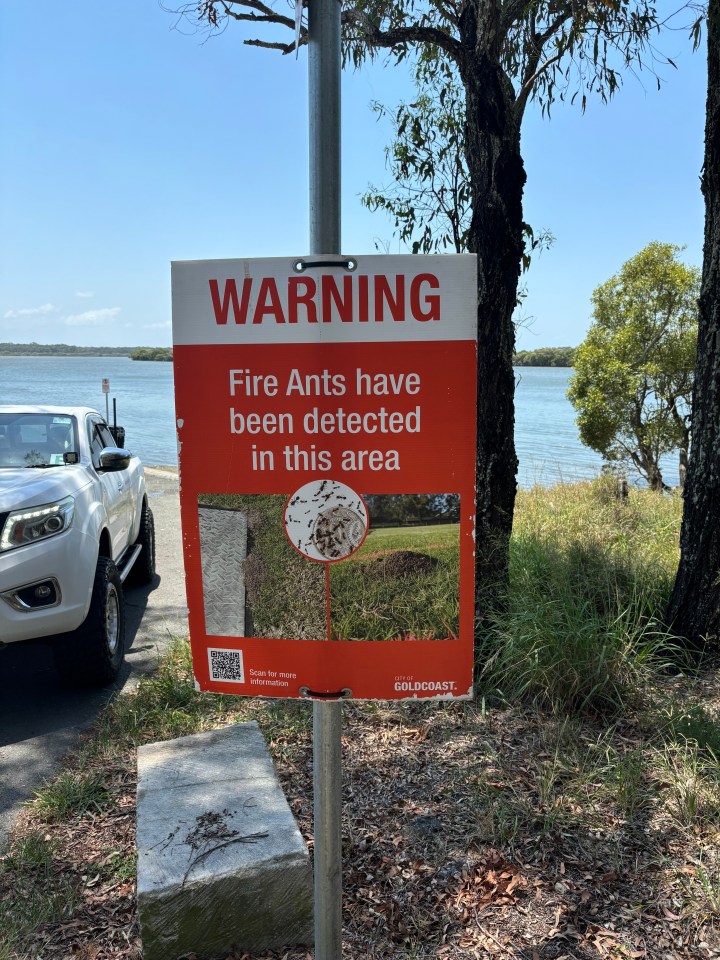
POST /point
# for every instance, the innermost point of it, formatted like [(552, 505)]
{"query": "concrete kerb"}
[(221, 862)]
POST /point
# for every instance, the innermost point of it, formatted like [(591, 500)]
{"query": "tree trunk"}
[(682, 467), (497, 178), (654, 476), (644, 457), (694, 610)]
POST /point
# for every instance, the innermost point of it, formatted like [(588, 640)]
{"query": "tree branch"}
[(399, 36), (263, 14), (532, 69), (526, 88), (283, 47), (268, 15)]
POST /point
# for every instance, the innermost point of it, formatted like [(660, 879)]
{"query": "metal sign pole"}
[(324, 67), (106, 391), (327, 785)]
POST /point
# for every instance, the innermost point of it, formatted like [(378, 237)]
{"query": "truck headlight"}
[(36, 523)]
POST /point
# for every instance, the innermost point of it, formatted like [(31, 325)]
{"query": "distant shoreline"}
[(542, 357), (70, 350)]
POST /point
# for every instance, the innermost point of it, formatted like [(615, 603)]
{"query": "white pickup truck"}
[(74, 523)]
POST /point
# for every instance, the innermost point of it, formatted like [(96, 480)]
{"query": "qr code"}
[(226, 665)]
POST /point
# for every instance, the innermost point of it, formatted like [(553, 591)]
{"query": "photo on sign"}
[(404, 581), (326, 520), (254, 583), (393, 560)]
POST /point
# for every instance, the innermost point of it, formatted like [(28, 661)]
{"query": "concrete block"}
[(221, 862)]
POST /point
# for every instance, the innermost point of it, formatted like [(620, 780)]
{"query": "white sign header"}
[(381, 299)]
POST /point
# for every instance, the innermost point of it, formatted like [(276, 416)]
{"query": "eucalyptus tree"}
[(506, 53), (694, 609), (429, 198)]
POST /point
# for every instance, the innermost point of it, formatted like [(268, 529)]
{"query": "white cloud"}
[(93, 318), (157, 326), (85, 294), (42, 311)]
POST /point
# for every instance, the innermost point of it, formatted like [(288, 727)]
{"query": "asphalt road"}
[(40, 720)]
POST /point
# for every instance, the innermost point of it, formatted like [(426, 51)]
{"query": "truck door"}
[(117, 490)]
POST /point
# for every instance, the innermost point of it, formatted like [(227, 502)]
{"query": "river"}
[(546, 435)]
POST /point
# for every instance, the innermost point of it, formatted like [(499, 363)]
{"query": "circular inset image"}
[(325, 520)]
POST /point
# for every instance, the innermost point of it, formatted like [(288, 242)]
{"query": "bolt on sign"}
[(326, 423)]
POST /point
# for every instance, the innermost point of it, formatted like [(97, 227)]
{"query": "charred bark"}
[(694, 610), (497, 179)]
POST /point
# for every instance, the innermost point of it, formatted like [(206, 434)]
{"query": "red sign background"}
[(233, 399)]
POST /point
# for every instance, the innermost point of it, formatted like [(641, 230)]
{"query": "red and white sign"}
[(326, 421)]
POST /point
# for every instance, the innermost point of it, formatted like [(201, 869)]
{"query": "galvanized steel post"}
[(327, 785), (324, 67)]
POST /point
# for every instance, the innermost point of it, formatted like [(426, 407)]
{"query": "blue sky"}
[(127, 143)]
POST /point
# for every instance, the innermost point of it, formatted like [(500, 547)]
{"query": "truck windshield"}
[(36, 439)]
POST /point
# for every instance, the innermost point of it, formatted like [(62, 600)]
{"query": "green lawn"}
[(366, 603)]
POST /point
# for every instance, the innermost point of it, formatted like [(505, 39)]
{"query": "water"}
[(546, 436), (143, 389)]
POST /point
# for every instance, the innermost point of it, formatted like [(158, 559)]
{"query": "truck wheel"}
[(93, 654), (143, 570)]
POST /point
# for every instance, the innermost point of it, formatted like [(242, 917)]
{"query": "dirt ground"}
[(467, 833)]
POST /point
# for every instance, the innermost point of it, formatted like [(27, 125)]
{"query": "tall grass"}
[(590, 576)]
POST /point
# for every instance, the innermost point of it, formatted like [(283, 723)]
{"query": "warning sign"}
[(326, 430)]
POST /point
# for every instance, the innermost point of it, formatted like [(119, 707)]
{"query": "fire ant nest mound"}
[(401, 563)]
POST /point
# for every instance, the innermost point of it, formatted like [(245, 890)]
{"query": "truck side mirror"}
[(113, 459)]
